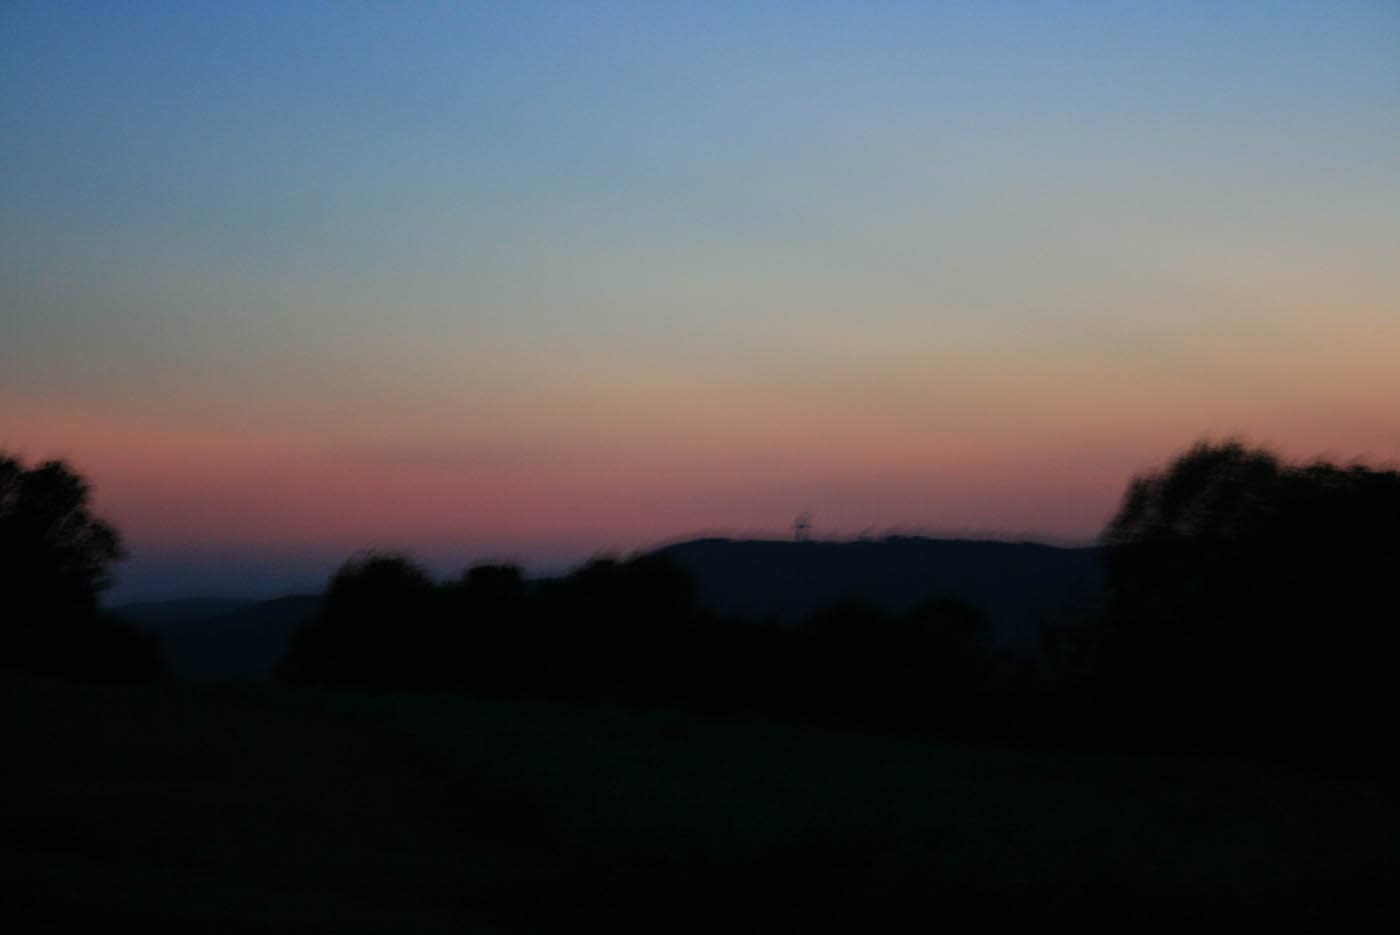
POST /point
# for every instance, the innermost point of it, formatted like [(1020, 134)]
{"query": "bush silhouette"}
[(55, 560)]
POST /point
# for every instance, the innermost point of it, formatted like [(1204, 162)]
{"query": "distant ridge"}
[(213, 639), (1018, 584), (180, 611)]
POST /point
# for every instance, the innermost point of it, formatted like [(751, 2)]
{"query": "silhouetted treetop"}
[(1227, 491), (370, 631), (1248, 591), (56, 558), (377, 586), (52, 549)]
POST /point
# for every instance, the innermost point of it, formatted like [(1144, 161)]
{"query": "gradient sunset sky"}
[(525, 280)]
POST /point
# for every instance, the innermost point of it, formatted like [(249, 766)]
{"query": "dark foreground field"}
[(254, 810)]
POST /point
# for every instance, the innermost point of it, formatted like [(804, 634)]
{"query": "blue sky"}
[(587, 276)]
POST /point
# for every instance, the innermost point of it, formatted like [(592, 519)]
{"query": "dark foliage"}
[(1252, 601), (55, 560), (634, 632), (374, 629), (1246, 606)]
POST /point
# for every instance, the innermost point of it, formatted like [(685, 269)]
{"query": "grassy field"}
[(258, 810)]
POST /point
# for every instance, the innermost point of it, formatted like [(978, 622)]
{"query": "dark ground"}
[(229, 809)]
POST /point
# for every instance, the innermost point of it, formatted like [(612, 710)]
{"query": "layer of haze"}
[(537, 280)]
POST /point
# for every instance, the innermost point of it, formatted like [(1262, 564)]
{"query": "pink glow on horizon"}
[(716, 467)]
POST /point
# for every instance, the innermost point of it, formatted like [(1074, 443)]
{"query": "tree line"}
[(634, 631), (1249, 604)]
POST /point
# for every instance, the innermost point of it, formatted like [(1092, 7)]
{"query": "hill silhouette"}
[(179, 612), (1018, 585), (215, 639)]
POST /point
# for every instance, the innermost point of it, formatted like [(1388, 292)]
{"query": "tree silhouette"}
[(55, 560), (1252, 597), (481, 636), (374, 631), (617, 629)]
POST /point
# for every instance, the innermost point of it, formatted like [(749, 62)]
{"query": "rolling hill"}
[(216, 639), (1018, 584)]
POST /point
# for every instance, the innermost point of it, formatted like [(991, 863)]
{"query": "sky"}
[(535, 281)]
